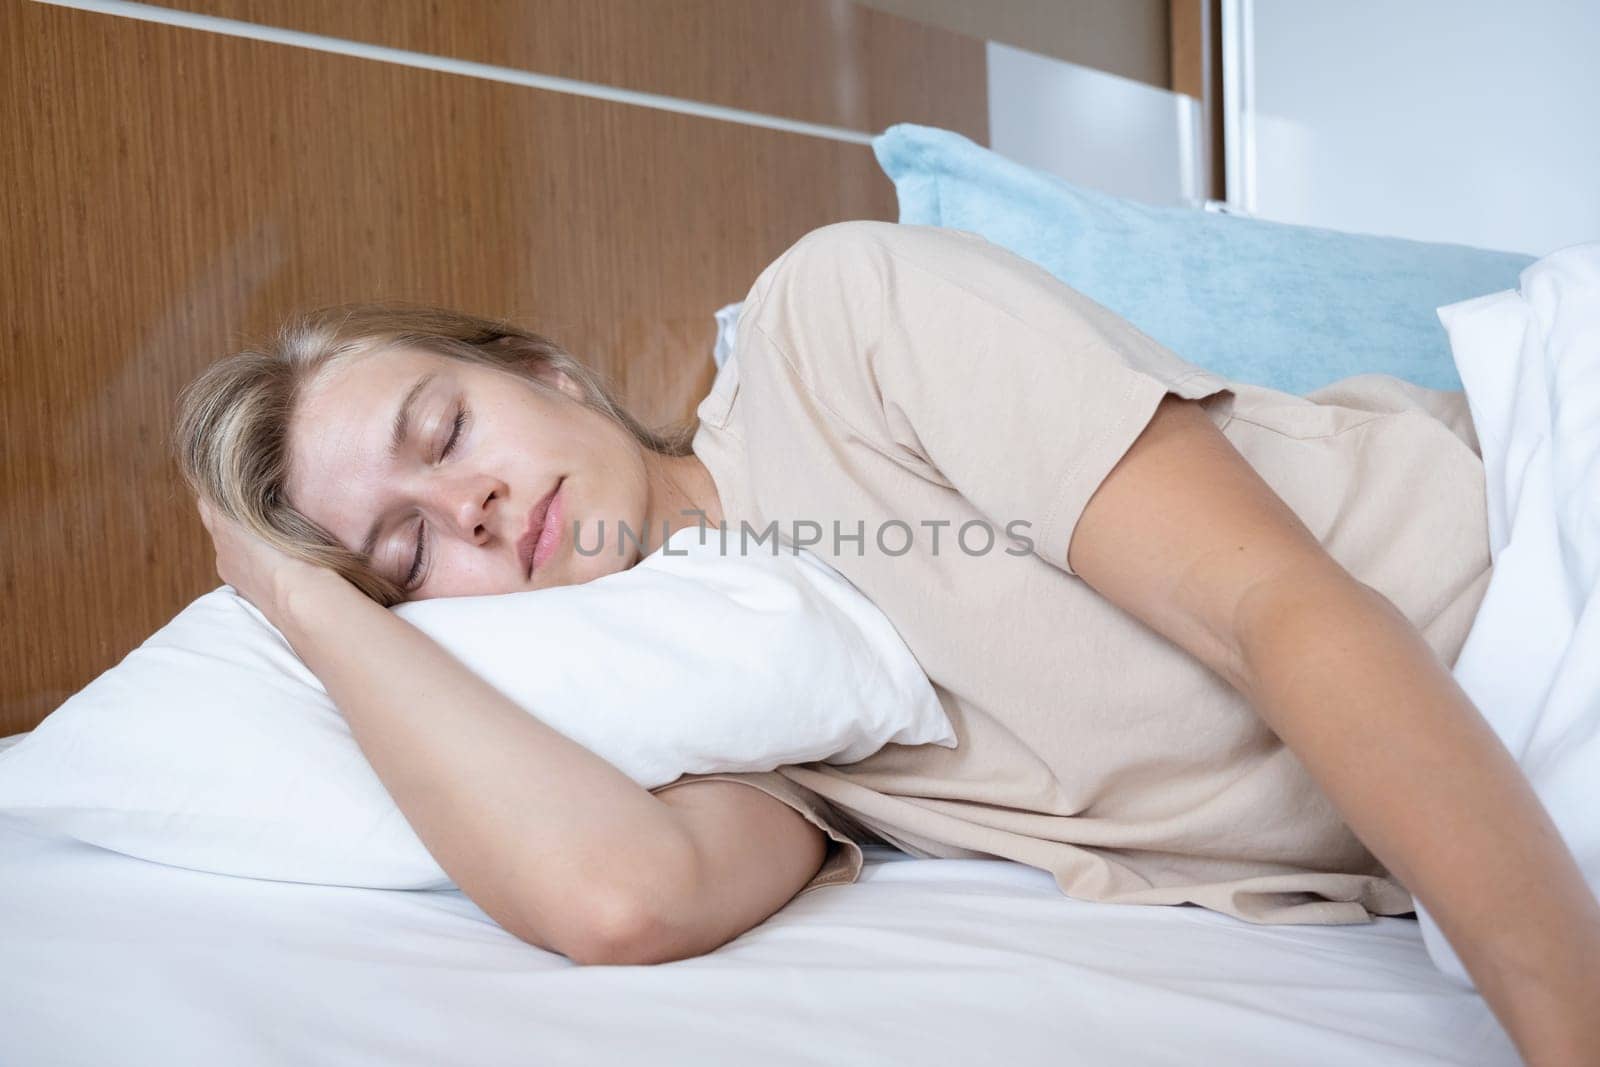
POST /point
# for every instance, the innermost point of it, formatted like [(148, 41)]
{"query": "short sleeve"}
[(842, 864), (950, 351)]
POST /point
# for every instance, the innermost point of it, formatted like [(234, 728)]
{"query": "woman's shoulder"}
[(806, 336)]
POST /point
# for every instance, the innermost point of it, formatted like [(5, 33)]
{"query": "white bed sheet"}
[(107, 959)]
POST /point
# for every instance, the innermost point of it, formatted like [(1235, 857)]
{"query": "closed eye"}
[(449, 446)]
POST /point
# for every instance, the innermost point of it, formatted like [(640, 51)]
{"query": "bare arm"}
[(1351, 686), (552, 841), (1225, 569)]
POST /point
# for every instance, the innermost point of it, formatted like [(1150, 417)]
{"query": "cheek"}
[(461, 569), (611, 454), (561, 439)]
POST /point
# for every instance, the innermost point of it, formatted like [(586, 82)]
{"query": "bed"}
[(110, 959)]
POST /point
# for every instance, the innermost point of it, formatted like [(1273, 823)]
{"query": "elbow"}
[(621, 918), (611, 935), (628, 934), (613, 930), (615, 936)]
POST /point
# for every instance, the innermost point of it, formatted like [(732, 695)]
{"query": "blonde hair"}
[(231, 434)]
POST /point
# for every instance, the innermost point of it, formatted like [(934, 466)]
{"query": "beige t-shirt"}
[(923, 381)]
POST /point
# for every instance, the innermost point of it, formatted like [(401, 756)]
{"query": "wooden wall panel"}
[(1197, 72), (1188, 38), (169, 194), (827, 61)]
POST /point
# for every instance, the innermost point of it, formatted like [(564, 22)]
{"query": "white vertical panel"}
[(1471, 121), (1094, 129), (1238, 132)]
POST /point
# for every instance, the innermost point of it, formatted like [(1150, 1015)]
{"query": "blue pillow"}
[(1288, 307)]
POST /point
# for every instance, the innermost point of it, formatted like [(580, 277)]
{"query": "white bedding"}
[(107, 959), (1529, 359)]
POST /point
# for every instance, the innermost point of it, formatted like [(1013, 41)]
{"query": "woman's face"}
[(468, 493)]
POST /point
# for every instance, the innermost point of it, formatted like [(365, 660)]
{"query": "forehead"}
[(369, 377), (339, 434)]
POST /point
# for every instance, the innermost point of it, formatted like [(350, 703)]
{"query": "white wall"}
[(1471, 121), (1126, 37), (1093, 129)]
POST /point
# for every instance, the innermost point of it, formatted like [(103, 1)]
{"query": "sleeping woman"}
[(1194, 635)]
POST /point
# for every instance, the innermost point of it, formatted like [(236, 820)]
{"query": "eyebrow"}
[(397, 439)]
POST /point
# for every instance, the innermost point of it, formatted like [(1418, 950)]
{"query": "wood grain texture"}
[(171, 194), (1187, 34), (826, 61), (1197, 72)]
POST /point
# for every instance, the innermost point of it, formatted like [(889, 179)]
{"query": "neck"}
[(679, 487)]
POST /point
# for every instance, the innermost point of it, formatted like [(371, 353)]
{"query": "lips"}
[(531, 543)]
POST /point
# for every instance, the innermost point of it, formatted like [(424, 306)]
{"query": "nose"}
[(471, 504)]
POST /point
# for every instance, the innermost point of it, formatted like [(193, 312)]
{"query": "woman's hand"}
[(257, 571)]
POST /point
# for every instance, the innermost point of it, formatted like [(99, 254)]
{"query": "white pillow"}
[(727, 318), (212, 746), (1529, 361)]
